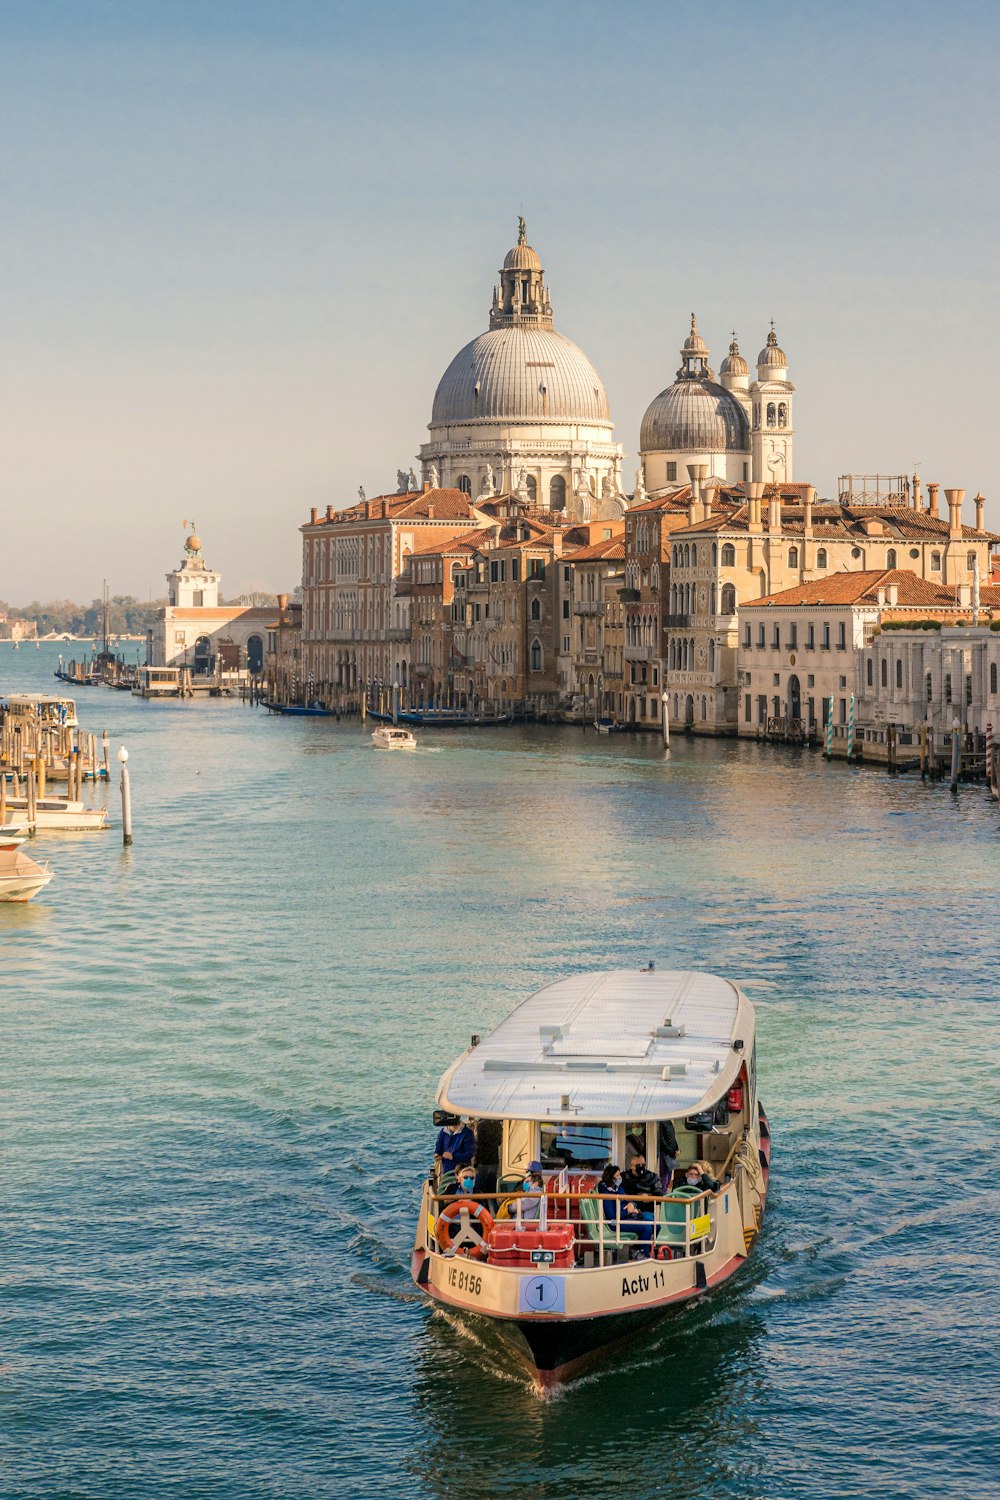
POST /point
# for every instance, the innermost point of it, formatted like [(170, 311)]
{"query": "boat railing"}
[(678, 1225)]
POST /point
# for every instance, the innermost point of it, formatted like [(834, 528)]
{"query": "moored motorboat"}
[(594, 1072), (53, 813), (20, 877), (390, 737)]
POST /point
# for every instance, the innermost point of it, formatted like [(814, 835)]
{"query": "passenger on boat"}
[(454, 1147), (638, 1179), (465, 1180), (667, 1151), (697, 1176), (534, 1186), (641, 1224)]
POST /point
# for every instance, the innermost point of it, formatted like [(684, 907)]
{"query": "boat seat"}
[(672, 1218), (600, 1231)]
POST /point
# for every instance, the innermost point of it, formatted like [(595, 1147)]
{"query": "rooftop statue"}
[(361, 493), (402, 482), (412, 478), (434, 477)]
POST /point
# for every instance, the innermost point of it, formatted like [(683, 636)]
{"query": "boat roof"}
[(22, 699), (618, 1045)]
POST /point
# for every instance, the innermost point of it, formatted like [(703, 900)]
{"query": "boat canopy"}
[(620, 1045)]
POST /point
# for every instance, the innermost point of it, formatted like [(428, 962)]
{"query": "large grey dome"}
[(519, 373), (694, 416)]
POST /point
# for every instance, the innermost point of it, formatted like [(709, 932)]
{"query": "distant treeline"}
[(126, 615)]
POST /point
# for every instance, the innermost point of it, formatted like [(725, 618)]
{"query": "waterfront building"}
[(932, 677), (194, 630), (355, 619), (283, 658), (738, 432), (646, 596), (17, 630), (592, 625), (522, 410), (746, 543)]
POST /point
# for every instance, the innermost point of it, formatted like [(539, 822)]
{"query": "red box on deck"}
[(545, 1248)]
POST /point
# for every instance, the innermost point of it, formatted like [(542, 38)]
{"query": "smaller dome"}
[(771, 356), (694, 416), (694, 343), (521, 258), (734, 363)]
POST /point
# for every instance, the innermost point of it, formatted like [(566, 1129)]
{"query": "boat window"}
[(575, 1144)]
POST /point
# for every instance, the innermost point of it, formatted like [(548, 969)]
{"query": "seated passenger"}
[(534, 1186), (631, 1217), (465, 1181), (455, 1147), (697, 1176), (638, 1179)]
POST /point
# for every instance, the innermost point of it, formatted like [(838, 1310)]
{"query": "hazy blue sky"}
[(240, 242)]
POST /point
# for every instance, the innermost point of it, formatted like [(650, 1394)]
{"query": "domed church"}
[(737, 430), (522, 410)]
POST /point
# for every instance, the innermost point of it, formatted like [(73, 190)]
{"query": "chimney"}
[(557, 544), (329, 512), (892, 593), (808, 500), (932, 500), (980, 504), (282, 601), (755, 491), (774, 515), (694, 509), (916, 492), (965, 595), (312, 516), (954, 499), (427, 485), (703, 491), (430, 512), (881, 596)]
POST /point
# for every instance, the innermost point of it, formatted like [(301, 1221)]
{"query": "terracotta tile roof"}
[(613, 549), (861, 588), (448, 505)]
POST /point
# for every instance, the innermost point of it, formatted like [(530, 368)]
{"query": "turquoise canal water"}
[(220, 1055)]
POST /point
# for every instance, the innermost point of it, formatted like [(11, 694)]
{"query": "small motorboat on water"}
[(389, 737), (20, 877), (598, 1071), (63, 813)]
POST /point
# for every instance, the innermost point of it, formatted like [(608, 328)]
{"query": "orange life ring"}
[(452, 1214)]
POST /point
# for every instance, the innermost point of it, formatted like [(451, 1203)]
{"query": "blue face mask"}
[(527, 1184), (468, 1183)]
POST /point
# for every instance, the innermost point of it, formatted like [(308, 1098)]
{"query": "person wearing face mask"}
[(697, 1176), (465, 1180), (534, 1186), (631, 1219)]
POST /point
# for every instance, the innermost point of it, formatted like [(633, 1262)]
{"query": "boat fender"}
[(700, 1278), (449, 1217)]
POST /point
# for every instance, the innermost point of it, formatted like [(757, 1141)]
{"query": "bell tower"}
[(771, 429)]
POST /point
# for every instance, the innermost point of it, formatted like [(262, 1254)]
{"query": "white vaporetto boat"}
[(608, 1068), (20, 877), (388, 737)]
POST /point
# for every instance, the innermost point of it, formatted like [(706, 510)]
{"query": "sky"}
[(241, 241)]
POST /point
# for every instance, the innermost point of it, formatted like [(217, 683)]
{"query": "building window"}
[(899, 673), (465, 484), (728, 599), (929, 688), (672, 473), (968, 690), (782, 414), (694, 554), (935, 562), (793, 637), (885, 673), (761, 709), (890, 558), (842, 636), (536, 656), (494, 572), (536, 609), (776, 638), (565, 645), (532, 488), (871, 673), (536, 567), (515, 570), (557, 492), (772, 414), (993, 676), (842, 710), (793, 557), (746, 639), (746, 708), (760, 637), (729, 555), (746, 474), (826, 637), (821, 561), (970, 561)]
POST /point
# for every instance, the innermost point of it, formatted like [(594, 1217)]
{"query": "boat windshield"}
[(575, 1145)]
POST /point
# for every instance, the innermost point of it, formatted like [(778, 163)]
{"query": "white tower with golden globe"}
[(771, 428)]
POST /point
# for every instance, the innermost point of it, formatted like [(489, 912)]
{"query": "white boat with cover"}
[(20, 877), (388, 737), (597, 1069), (56, 814)]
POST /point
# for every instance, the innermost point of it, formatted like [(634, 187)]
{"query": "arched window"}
[(715, 553), (756, 414), (694, 554), (821, 558), (557, 492), (871, 674), (793, 557), (711, 656), (536, 656), (729, 555), (782, 414), (728, 599), (970, 561), (654, 576), (672, 656), (772, 414), (532, 488), (899, 673), (993, 676), (885, 672), (704, 707), (687, 554), (465, 484), (935, 562), (536, 609), (890, 558)]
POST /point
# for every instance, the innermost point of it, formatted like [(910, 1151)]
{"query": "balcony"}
[(677, 622), (641, 653), (587, 607), (393, 634), (423, 669), (629, 596)]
